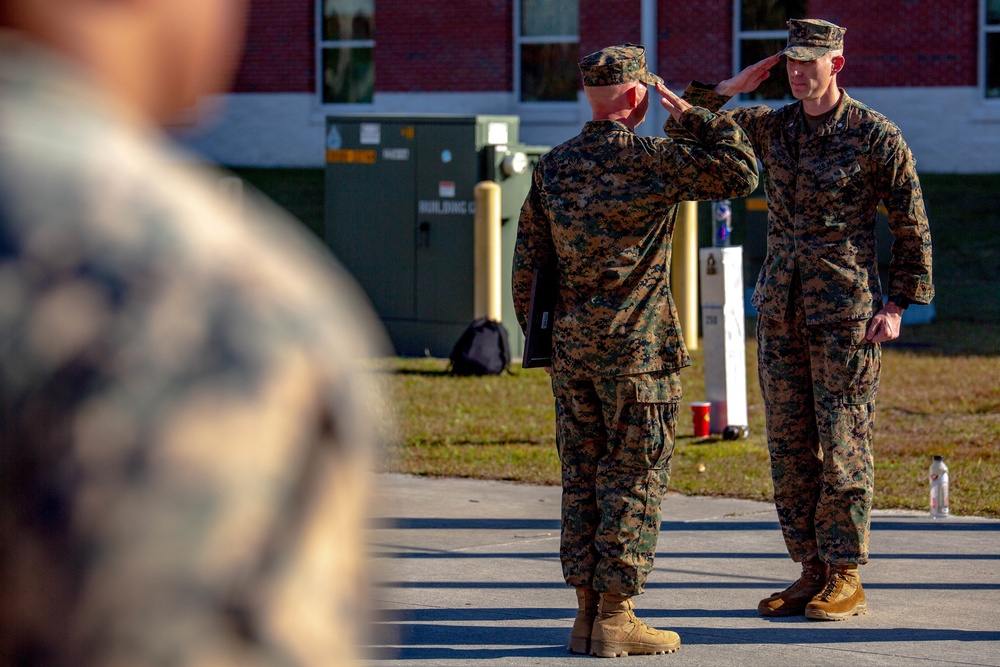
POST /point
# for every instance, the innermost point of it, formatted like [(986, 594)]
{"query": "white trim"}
[(550, 39), (656, 115), (318, 52), (349, 43), (981, 64), (757, 34), (648, 31), (735, 50), (515, 85), (943, 126)]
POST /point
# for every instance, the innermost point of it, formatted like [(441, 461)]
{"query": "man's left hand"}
[(885, 325)]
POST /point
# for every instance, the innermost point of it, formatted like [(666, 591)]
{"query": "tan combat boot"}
[(587, 600), (617, 632), (841, 598), (793, 600)]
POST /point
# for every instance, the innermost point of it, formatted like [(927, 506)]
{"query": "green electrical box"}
[(400, 215)]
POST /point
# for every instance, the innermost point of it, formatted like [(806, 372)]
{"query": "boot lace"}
[(831, 587)]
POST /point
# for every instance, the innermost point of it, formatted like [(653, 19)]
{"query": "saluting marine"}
[(601, 211), (828, 161)]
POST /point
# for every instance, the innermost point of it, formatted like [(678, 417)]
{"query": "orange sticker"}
[(351, 156)]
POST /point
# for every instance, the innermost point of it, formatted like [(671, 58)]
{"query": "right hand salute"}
[(748, 80), (671, 102)]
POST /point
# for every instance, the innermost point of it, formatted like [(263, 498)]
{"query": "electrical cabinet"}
[(399, 214)]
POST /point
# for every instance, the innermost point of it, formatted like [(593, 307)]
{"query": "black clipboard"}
[(541, 316)]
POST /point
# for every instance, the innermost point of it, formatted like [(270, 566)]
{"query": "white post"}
[(723, 336)]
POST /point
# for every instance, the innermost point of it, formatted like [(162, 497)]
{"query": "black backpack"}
[(482, 349)]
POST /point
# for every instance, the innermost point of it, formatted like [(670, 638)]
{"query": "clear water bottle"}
[(722, 223), (939, 488)]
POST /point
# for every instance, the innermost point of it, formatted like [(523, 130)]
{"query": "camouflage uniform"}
[(601, 209), (185, 422), (817, 289)]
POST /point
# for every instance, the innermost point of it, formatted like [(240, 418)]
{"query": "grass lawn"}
[(937, 396)]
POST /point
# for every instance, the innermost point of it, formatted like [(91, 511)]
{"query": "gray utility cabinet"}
[(399, 198)]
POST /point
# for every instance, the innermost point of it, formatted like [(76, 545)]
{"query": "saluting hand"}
[(748, 80), (671, 102)]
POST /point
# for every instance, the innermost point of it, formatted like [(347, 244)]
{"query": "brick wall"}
[(466, 45), (906, 42), (453, 46), (280, 51), (695, 41)]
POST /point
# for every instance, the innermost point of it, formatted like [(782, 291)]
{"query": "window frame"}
[(323, 44), (739, 35), (984, 30), (519, 41)]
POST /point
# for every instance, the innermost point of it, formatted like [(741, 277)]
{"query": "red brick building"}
[(932, 66)]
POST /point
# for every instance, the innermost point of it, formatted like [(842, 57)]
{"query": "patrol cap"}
[(808, 39), (615, 65)]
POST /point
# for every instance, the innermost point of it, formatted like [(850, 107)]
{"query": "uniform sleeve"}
[(751, 119), (533, 249), (711, 158), (899, 189)]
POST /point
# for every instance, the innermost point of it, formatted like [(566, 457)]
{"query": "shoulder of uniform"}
[(864, 114), (650, 144)]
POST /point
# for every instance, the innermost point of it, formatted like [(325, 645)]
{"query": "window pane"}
[(770, 14), (775, 87), (993, 65), (993, 12), (549, 17), (348, 75), (549, 72), (348, 19)]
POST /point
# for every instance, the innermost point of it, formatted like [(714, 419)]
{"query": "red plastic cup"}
[(700, 414)]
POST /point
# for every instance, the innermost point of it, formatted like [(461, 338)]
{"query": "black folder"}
[(538, 338)]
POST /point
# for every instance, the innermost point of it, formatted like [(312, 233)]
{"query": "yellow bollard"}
[(487, 251), (684, 271)]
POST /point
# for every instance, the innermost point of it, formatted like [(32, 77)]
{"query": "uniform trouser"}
[(615, 438), (819, 385)]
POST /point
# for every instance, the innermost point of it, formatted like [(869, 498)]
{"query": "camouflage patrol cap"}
[(615, 65), (808, 39)]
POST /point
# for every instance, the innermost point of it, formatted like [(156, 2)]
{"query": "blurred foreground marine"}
[(601, 211), (828, 162), (185, 416)]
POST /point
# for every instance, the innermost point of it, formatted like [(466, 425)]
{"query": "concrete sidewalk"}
[(469, 573)]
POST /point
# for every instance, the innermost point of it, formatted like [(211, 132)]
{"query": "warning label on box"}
[(351, 155)]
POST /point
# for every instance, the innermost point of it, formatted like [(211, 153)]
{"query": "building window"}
[(991, 48), (346, 45), (761, 31), (548, 49)]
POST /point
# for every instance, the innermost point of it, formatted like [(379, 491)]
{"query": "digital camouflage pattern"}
[(185, 416), (601, 209), (823, 190), (616, 440), (816, 291), (819, 385), (615, 65), (808, 39)]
